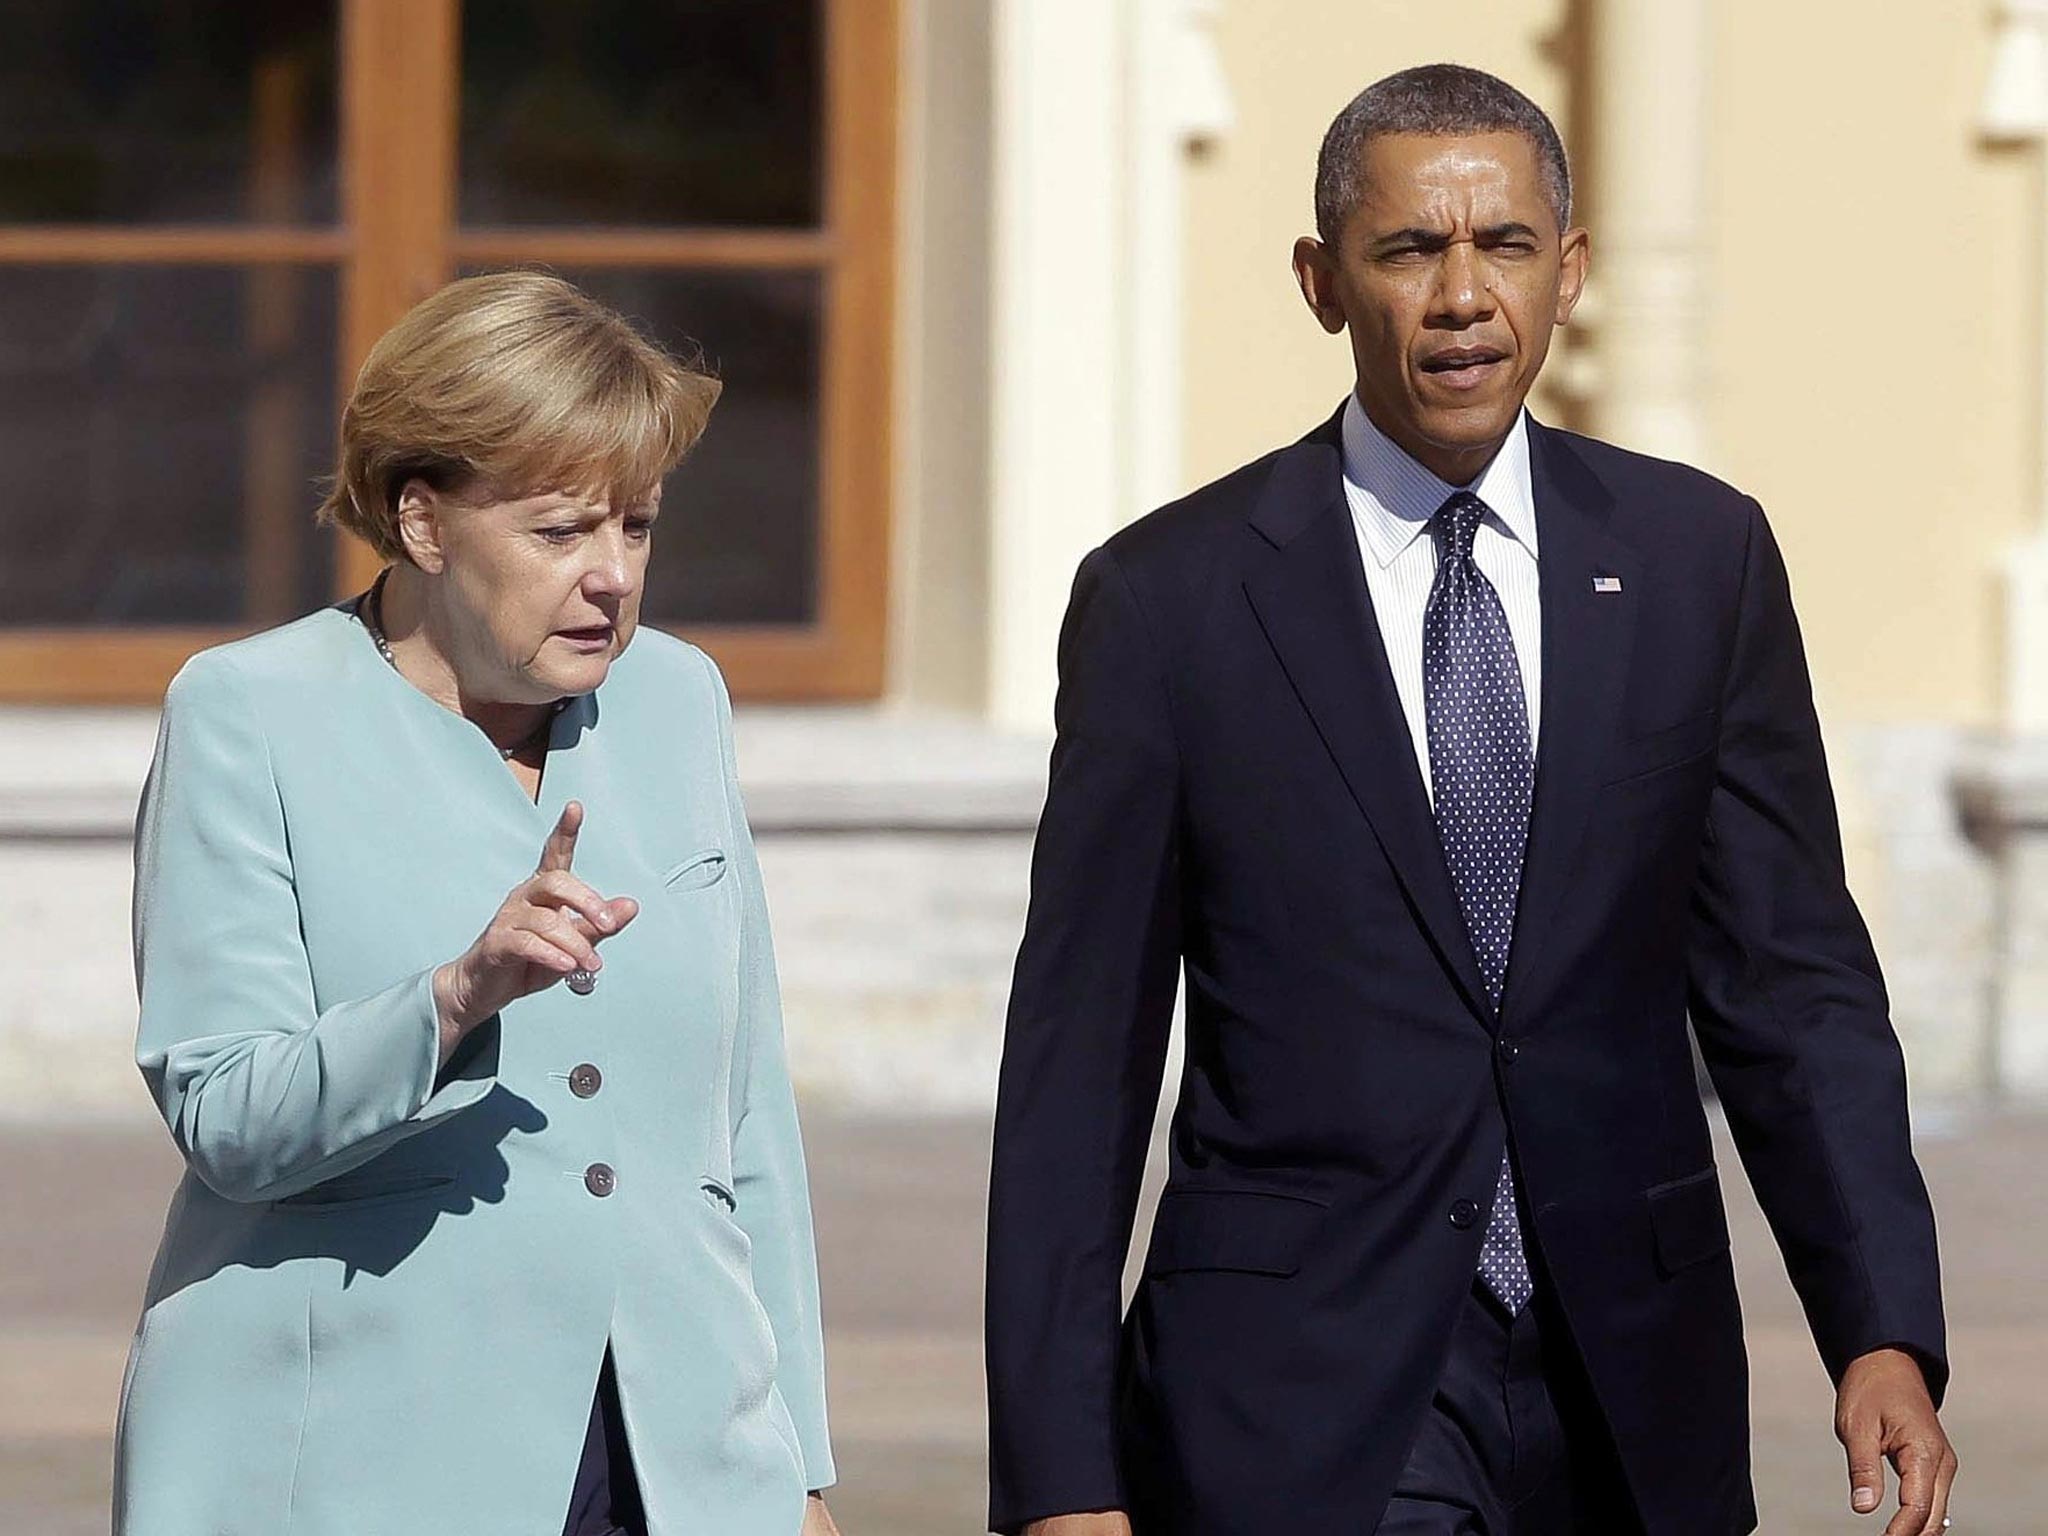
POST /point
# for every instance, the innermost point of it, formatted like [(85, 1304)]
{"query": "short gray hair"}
[(1437, 100)]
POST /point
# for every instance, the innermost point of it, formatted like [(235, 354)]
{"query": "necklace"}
[(370, 609)]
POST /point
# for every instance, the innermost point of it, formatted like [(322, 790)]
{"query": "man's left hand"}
[(1883, 1413)]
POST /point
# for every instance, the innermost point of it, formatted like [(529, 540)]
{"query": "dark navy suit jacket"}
[(1235, 798)]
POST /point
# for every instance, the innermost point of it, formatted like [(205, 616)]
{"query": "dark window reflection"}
[(636, 112), (167, 111), (738, 540), (163, 430)]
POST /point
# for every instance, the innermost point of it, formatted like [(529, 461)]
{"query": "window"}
[(209, 210)]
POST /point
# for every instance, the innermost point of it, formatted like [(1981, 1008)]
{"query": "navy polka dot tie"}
[(1483, 776)]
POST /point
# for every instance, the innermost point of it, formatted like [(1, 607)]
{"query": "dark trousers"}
[(606, 1499), (1513, 1443)]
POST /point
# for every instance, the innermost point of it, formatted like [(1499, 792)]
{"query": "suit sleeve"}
[(1790, 1008), (770, 1187), (1083, 1052), (265, 1093)]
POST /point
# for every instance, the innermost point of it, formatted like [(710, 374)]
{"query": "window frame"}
[(397, 240)]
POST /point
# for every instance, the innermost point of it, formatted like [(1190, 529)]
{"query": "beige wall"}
[(1870, 289), (1260, 371), (1871, 373)]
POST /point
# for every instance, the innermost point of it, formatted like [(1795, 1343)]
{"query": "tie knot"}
[(1457, 523)]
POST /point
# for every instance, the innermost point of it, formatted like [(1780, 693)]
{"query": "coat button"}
[(1508, 1049), (599, 1179), (585, 1080), (1464, 1213)]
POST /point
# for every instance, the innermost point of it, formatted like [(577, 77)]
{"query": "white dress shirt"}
[(1392, 500)]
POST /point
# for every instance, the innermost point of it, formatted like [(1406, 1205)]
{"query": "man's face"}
[(1449, 275)]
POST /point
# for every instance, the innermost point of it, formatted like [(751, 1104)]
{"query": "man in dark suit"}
[(1457, 762)]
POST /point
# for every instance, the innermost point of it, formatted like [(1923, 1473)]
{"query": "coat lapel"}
[(1587, 635), (1312, 603)]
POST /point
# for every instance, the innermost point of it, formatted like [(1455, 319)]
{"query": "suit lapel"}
[(1312, 603), (1587, 635)]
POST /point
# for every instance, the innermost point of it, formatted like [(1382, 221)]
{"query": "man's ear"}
[(1315, 268), (1575, 260), (420, 510)]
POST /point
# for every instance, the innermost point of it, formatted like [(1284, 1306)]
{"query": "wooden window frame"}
[(397, 240)]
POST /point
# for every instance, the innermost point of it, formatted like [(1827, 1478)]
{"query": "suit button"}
[(599, 1179), (1464, 1213), (1508, 1049), (584, 1081)]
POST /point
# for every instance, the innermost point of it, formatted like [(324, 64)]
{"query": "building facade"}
[(987, 279)]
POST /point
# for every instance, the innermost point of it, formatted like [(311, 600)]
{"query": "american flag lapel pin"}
[(1606, 583)]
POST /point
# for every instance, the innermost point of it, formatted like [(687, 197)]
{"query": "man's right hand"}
[(1106, 1522)]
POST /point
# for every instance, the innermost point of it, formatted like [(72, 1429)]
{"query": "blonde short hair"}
[(514, 383)]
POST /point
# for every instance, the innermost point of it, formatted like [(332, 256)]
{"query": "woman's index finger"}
[(559, 852)]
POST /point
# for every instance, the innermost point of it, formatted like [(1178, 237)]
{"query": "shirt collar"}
[(1393, 497)]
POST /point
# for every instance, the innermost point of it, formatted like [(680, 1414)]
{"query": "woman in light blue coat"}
[(458, 998)]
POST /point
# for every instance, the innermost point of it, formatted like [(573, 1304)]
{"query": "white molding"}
[(2015, 105), (1653, 87)]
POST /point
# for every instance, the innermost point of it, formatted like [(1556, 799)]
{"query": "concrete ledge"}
[(72, 773), (878, 770), (77, 773), (895, 849)]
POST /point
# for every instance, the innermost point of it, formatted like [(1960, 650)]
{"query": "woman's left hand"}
[(817, 1518)]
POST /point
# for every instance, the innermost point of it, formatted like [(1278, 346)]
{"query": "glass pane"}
[(167, 111), (738, 540), (163, 430), (634, 112)]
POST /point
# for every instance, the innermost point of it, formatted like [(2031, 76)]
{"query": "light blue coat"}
[(380, 1304)]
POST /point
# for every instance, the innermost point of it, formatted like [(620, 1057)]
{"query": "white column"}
[(1093, 108), (2004, 794), (1056, 356), (1650, 249), (2015, 111)]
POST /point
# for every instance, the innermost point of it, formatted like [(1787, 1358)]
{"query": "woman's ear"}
[(420, 510)]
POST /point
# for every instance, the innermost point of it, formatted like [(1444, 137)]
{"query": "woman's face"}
[(537, 597)]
